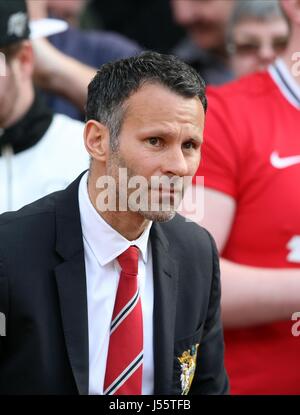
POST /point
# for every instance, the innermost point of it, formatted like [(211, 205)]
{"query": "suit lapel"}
[(165, 275), (71, 284)]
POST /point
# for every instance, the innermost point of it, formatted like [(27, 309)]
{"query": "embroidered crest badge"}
[(188, 366)]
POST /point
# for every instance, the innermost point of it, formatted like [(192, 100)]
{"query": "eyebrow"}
[(168, 132)]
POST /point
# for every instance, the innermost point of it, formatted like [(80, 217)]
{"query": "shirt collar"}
[(285, 81), (105, 242)]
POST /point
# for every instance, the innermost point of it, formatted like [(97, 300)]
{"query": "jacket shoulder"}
[(28, 213), (187, 236), (29, 228)]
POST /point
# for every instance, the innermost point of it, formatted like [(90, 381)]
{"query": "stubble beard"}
[(116, 162)]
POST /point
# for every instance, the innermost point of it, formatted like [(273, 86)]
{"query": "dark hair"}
[(115, 82)]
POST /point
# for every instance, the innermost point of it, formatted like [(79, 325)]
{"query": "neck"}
[(22, 106), (291, 56), (128, 224)]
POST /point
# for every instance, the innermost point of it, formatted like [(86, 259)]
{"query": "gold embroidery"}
[(188, 366)]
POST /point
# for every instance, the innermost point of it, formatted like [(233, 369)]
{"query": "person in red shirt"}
[(257, 33), (251, 168)]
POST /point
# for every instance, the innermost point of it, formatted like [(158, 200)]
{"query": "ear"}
[(25, 59), (96, 140), (291, 9)]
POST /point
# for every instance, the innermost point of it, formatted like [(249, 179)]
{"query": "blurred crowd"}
[(222, 39), (243, 50)]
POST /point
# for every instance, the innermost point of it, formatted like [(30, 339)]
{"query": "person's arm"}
[(253, 295), (37, 9), (250, 295), (61, 74), (54, 71)]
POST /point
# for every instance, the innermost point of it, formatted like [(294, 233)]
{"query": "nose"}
[(175, 163), (266, 54), (183, 11)]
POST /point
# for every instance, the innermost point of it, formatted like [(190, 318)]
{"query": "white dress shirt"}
[(102, 246)]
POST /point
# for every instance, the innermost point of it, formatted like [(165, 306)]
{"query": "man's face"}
[(257, 44), (68, 10), (161, 135), (8, 94), (205, 20)]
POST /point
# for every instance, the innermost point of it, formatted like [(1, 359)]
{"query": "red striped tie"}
[(124, 364)]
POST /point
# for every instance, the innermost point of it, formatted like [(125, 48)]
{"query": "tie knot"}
[(128, 261)]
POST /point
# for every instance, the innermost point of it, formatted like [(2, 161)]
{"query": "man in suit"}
[(102, 299)]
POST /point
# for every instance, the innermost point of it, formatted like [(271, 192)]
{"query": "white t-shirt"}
[(50, 165)]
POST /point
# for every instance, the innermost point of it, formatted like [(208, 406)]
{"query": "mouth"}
[(167, 199), (203, 27)]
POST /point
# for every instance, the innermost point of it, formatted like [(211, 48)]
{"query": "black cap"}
[(13, 22)]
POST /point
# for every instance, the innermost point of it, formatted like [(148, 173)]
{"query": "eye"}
[(247, 48), (154, 141), (190, 145), (279, 44)]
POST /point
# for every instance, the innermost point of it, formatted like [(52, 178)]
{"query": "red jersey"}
[(251, 152)]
